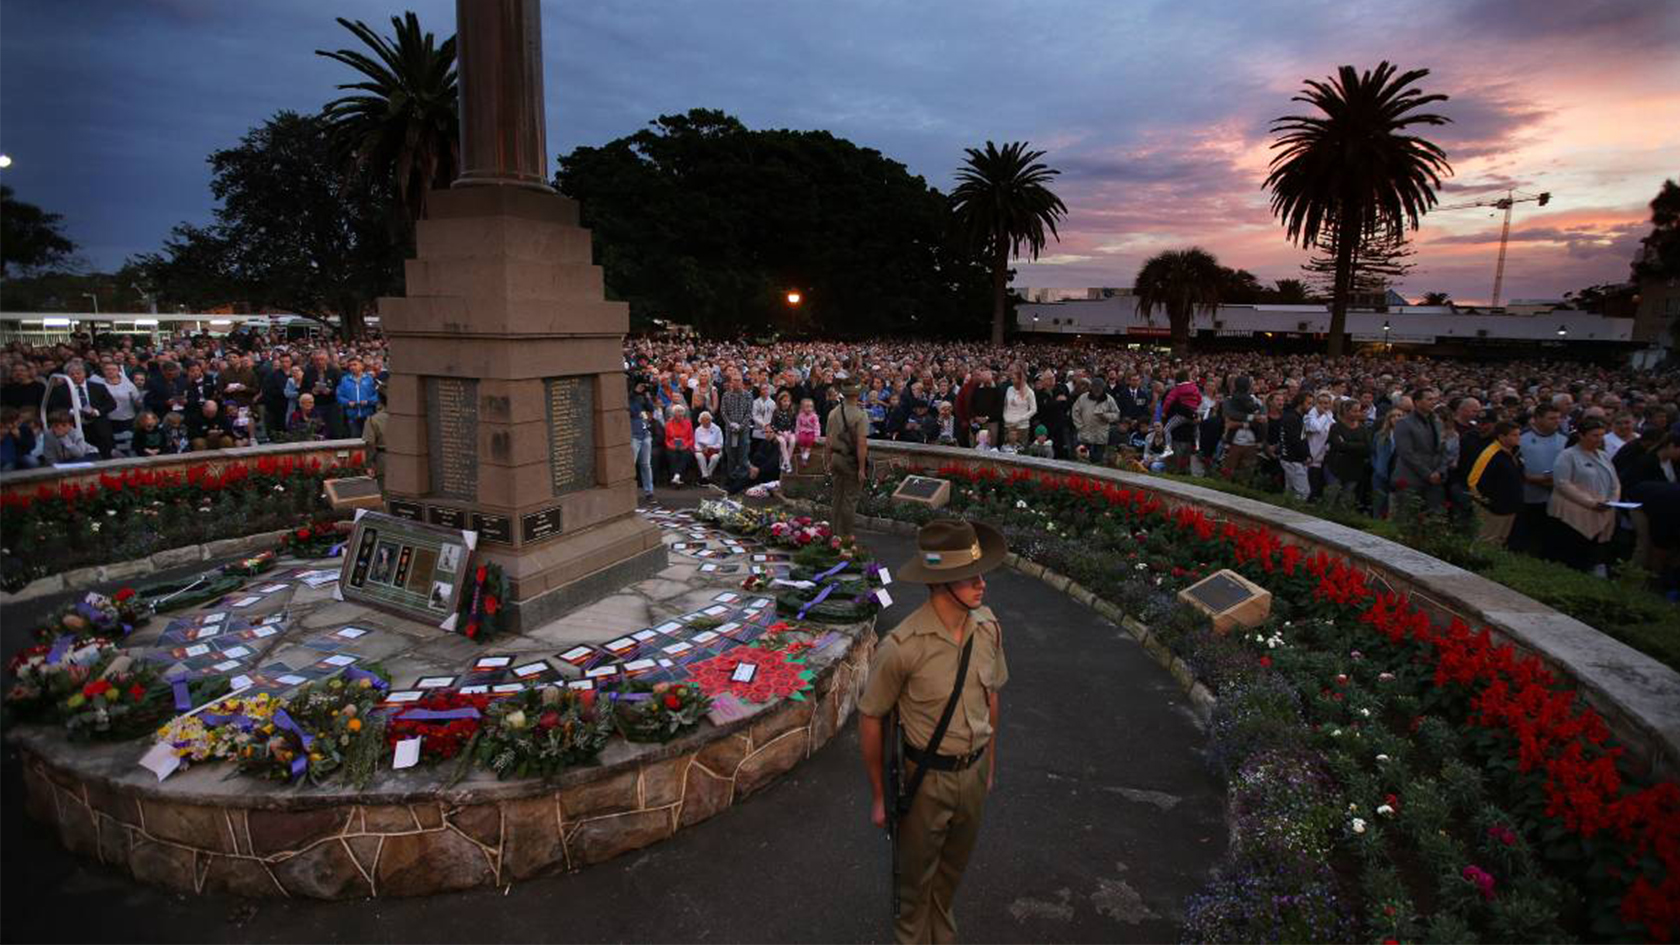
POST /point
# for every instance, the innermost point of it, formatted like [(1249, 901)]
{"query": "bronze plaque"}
[(403, 508), (1219, 593), (497, 528), (452, 436), (919, 487), (446, 516), (539, 525), (571, 432)]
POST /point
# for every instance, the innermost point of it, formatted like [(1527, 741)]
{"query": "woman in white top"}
[(129, 404), (763, 411), (1019, 405), (708, 445)]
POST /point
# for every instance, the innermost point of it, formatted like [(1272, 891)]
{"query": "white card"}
[(161, 760), (493, 662), (529, 669), (474, 690), (642, 636), (886, 575), (708, 568), (407, 695), (601, 672), (677, 649), (339, 659), (761, 557), (271, 618), (666, 664), (407, 754), (639, 666), (622, 643), (706, 637), (351, 633), (727, 597), (509, 687), (885, 598), (434, 682), (581, 684), (291, 680), (744, 672), (760, 603), (205, 633), (576, 653), (198, 649), (241, 682), (729, 628), (669, 627), (271, 588), (680, 545), (213, 618), (263, 631), (233, 652), (226, 666), (246, 601), (718, 610)]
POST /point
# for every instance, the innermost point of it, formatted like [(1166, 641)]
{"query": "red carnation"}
[(96, 688), (302, 533), (548, 719), (492, 604), (136, 692), (1266, 661), (472, 631), (481, 574), (126, 593), (672, 701)]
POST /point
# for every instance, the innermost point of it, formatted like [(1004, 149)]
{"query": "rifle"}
[(892, 765)]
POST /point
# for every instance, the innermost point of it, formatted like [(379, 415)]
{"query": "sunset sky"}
[(1156, 113)]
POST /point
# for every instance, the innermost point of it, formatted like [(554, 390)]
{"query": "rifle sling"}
[(939, 730)]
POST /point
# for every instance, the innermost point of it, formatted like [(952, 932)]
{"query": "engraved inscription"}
[(447, 517), (571, 432), (497, 528), (452, 436), (539, 525), (1219, 593), (405, 509)]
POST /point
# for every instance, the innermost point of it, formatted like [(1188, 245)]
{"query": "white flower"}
[(1358, 825), (1385, 677), (1020, 503), (1289, 623), (1353, 807), (1382, 757), (279, 488), (110, 513), (1336, 733), (1157, 582), (95, 526), (1143, 566), (1365, 712), (1387, 810)]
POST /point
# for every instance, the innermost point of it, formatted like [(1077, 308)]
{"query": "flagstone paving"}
[(1103, 820)]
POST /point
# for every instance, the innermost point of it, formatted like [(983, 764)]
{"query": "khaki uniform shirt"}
[(843, 449), (374, 441), (916, 668)]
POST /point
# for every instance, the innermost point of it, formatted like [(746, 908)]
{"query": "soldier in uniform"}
[(375, 439), (915, 671), (847, 433)]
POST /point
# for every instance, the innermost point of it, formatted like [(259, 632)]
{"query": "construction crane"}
[(1505, 203)]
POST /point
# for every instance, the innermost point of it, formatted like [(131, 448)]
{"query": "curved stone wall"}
[(26, 482), (411, 833), (1637, 695)]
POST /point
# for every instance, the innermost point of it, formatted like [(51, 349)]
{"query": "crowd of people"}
[(89, 399), (1542, 448)]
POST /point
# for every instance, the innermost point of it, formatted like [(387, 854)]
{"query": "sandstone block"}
[(164, 864), (609, 795), (324, 871), (602, 838), (204, 828), (418, 864), (724, 755), (765, 764), (481, 822), (239, 876), (276, 831), (533, 837), (783, 718), (662, 781), (704, 795)]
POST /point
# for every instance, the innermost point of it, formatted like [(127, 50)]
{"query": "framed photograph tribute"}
[(407, 567)]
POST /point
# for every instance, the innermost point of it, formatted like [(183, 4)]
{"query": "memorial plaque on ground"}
[(923, 490), (410, 568), (452, 436), (1229, 599), (571, 432), (355, 492)]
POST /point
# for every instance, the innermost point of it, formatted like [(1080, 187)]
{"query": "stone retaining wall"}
[(256, 840), (26, 482), (1638, 696)]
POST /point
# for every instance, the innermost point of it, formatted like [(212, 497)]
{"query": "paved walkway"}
[(1103, 821)]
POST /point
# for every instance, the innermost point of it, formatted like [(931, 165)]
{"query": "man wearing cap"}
[(940, 669), (848, 451)]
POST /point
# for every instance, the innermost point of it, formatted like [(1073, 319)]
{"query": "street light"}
[(5, 161), (95, 298), (1562, 331), (793, 298)]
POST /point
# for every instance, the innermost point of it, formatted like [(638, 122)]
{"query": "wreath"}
[(96, 615), (44, 676), (124, 700), (315, 540), (445, 721), (250, 567), (165, 596), (776, 674), (483, 611), (325, 729), (658, 712), (539, 732), (233, 728)]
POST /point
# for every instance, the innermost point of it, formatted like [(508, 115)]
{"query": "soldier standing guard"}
[(848, 452), (940, 669), (374, 439)]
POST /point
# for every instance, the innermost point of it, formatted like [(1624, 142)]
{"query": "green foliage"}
[(30, 238), (1659, 255), (1179, 281), (699, 219), (1003, 200)]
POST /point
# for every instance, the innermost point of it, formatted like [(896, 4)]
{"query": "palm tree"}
[(1350, 172), (1178, 281), (1290, 292), (405, 123), (1001, 202), (1436, 298)]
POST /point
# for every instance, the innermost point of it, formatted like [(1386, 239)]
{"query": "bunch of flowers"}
[(231, 728), (325, 730), (482, 612), (445, 721), (777, 675), (45, 676), (96, 615), (799, 532), (657, 713), (250, 567), (123, 699), (315, 540), (539, 732), (733, 516)]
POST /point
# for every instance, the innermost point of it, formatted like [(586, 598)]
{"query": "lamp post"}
[(1387, 345), (5, 161), (95, 298), (1562, 331), (794, 298)]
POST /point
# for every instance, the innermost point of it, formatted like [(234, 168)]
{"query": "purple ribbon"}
[(301, 762), (214, 720), (60, 647), (357, 675), (832, 571), (438, 715), (629, 696), (183, 697), (821, 596), (91, 613)]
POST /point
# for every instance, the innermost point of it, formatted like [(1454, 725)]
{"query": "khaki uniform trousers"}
[(843, 486), (1495, 529), (934, 842)]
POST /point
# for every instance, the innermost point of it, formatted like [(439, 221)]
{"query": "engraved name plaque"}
[(452, 436), (571, 432)]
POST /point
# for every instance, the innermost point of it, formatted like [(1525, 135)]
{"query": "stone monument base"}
[(577, 570)]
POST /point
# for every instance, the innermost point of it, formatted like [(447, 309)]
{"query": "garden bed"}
[(1390, 778)]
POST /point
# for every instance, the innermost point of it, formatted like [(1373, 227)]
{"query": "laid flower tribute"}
[(183, 593), (96, 615), (445, 721), (325, 730), (234, 728), (1390, 779), (774, 674), (482, 614), (540, 732), (250, 567), (845, 591), (45, 675), (124, 699), (315, 540), (120, 517), (658, 712)]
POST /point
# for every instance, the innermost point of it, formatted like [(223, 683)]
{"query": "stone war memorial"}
[(1189, 608)]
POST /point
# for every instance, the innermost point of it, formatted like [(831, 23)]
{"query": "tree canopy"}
[(1659, 252), (30, 238), (699, 220), (1179, 281), (1003, 202), (292, 231)]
